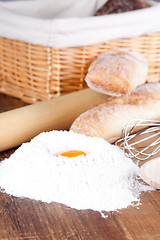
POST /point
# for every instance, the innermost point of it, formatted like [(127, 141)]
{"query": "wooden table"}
[(25, 219)]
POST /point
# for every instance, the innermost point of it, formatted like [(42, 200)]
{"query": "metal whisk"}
[(140, 139)]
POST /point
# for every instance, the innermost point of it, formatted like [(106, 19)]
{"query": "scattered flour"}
[(104, 179)]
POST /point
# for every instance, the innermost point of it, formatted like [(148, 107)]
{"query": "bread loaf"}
[(118, 6), (117, 72), (107, 120)]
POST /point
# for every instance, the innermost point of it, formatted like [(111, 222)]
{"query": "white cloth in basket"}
[(70, 23), (54, 8)]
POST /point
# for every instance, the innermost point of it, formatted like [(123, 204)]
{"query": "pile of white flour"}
[(104, 179)]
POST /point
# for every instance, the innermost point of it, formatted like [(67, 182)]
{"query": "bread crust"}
[(117, 72), (107, 120), (118, 6)]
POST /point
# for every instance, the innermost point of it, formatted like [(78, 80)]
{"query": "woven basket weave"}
[(35, 73)]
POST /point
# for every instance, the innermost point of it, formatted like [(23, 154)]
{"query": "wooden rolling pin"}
[(22, 124)]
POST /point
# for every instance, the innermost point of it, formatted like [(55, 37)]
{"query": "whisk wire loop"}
[(140, 138)]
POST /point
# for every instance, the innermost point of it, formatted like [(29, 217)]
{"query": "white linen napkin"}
[(54, 8), (70, 27)]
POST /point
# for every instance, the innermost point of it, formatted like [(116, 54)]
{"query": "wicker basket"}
[(35, 73)]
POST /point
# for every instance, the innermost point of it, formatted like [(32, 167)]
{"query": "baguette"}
[(107, 120)]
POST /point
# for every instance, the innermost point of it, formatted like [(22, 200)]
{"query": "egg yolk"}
[(73, 153)]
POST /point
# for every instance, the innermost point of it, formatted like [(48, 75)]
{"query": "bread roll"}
[(107, 120), (117, 72)]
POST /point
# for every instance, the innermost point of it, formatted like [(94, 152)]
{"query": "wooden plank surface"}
[(29, 219)]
